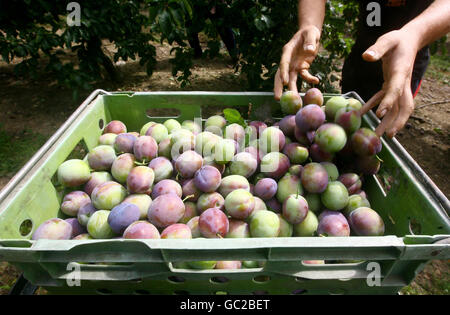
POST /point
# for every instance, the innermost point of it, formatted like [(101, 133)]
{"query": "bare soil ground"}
[(34, 109)]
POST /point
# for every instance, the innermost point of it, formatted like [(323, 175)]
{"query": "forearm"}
[(311, 13), (431, 24)]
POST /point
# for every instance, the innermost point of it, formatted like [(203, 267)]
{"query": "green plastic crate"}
[(414, 210)]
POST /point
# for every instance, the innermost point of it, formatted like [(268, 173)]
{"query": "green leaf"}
[(234, 117)]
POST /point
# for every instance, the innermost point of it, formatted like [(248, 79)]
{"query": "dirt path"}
[(41, 106)]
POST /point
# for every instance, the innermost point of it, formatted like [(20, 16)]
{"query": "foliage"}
[(32, 31)]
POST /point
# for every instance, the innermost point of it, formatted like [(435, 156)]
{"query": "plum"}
[(272, 139), (314, 203), (177, 230), (296, 153), (238, 229), (124, 143), (355, 202), (82, 237), (209, 160), (205, 142), (210, 200), (162, 167), (213, 223), (107, 139), (319, 155), (201, 265), (229, 264), (266, 188), (273, 205), (115, 126), (287, 125), (366, 222), (332, 170), (330, 137), (164, 148), (354, 104), (243, 164), (264, 223), (165, 210), (259, 204), (96, 179), (141, 230), (288, 185), (239, 204), (158, 132), (348, 119), (181, 140), (224, 151), (98, 226), (290, 102), (314, 262), (122, 166), (307, 227), (314, 178), (192, 126), (193, 225), (235, 132), (145, 127), (108, 195), (233, 182), (333, 105), (101, 158), (142, 201), (172, 125), (53, 229), (189, 212), (207, 178), (85, 213), (304, 138), (365, 142), (335, 196), (140, 180), (333, 223), (295, 209), (368, 165), (313, 96), (190, 190), (309, 118), (167, 186), (215, 124), (145, 149), (275, 165), (257, 126), (73, 201), (351, 181), (255, 152), (286, 228), (188, 163), (122, 215), (296, 170), (72, 173)]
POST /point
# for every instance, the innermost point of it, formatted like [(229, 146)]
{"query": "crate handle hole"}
[(299, 291), (26, 227), (261, 279), (101, 124), (163, 112), (415, 228), (217, 280), (176, 279)]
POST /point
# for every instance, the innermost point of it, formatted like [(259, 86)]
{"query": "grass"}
[(17, 148), (439, 68)]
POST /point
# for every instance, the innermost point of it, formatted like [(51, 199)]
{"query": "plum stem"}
[(140, 163), (218, 235), (379, 159), (189, 196)]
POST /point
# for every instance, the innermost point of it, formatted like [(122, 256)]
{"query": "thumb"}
[(378, 50), (310, 41)]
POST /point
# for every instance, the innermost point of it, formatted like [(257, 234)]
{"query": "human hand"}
[(298, 55), (397, 51)]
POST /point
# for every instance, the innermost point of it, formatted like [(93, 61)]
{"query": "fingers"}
[(394, 91), (285, 62), (406, 105), (292, 86), (278, 86), (310, 40), (379, 49), (374, 100), (387, 121)]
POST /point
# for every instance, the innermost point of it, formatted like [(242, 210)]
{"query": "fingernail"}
[(309, 47), (371, 53), (381, 114)]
